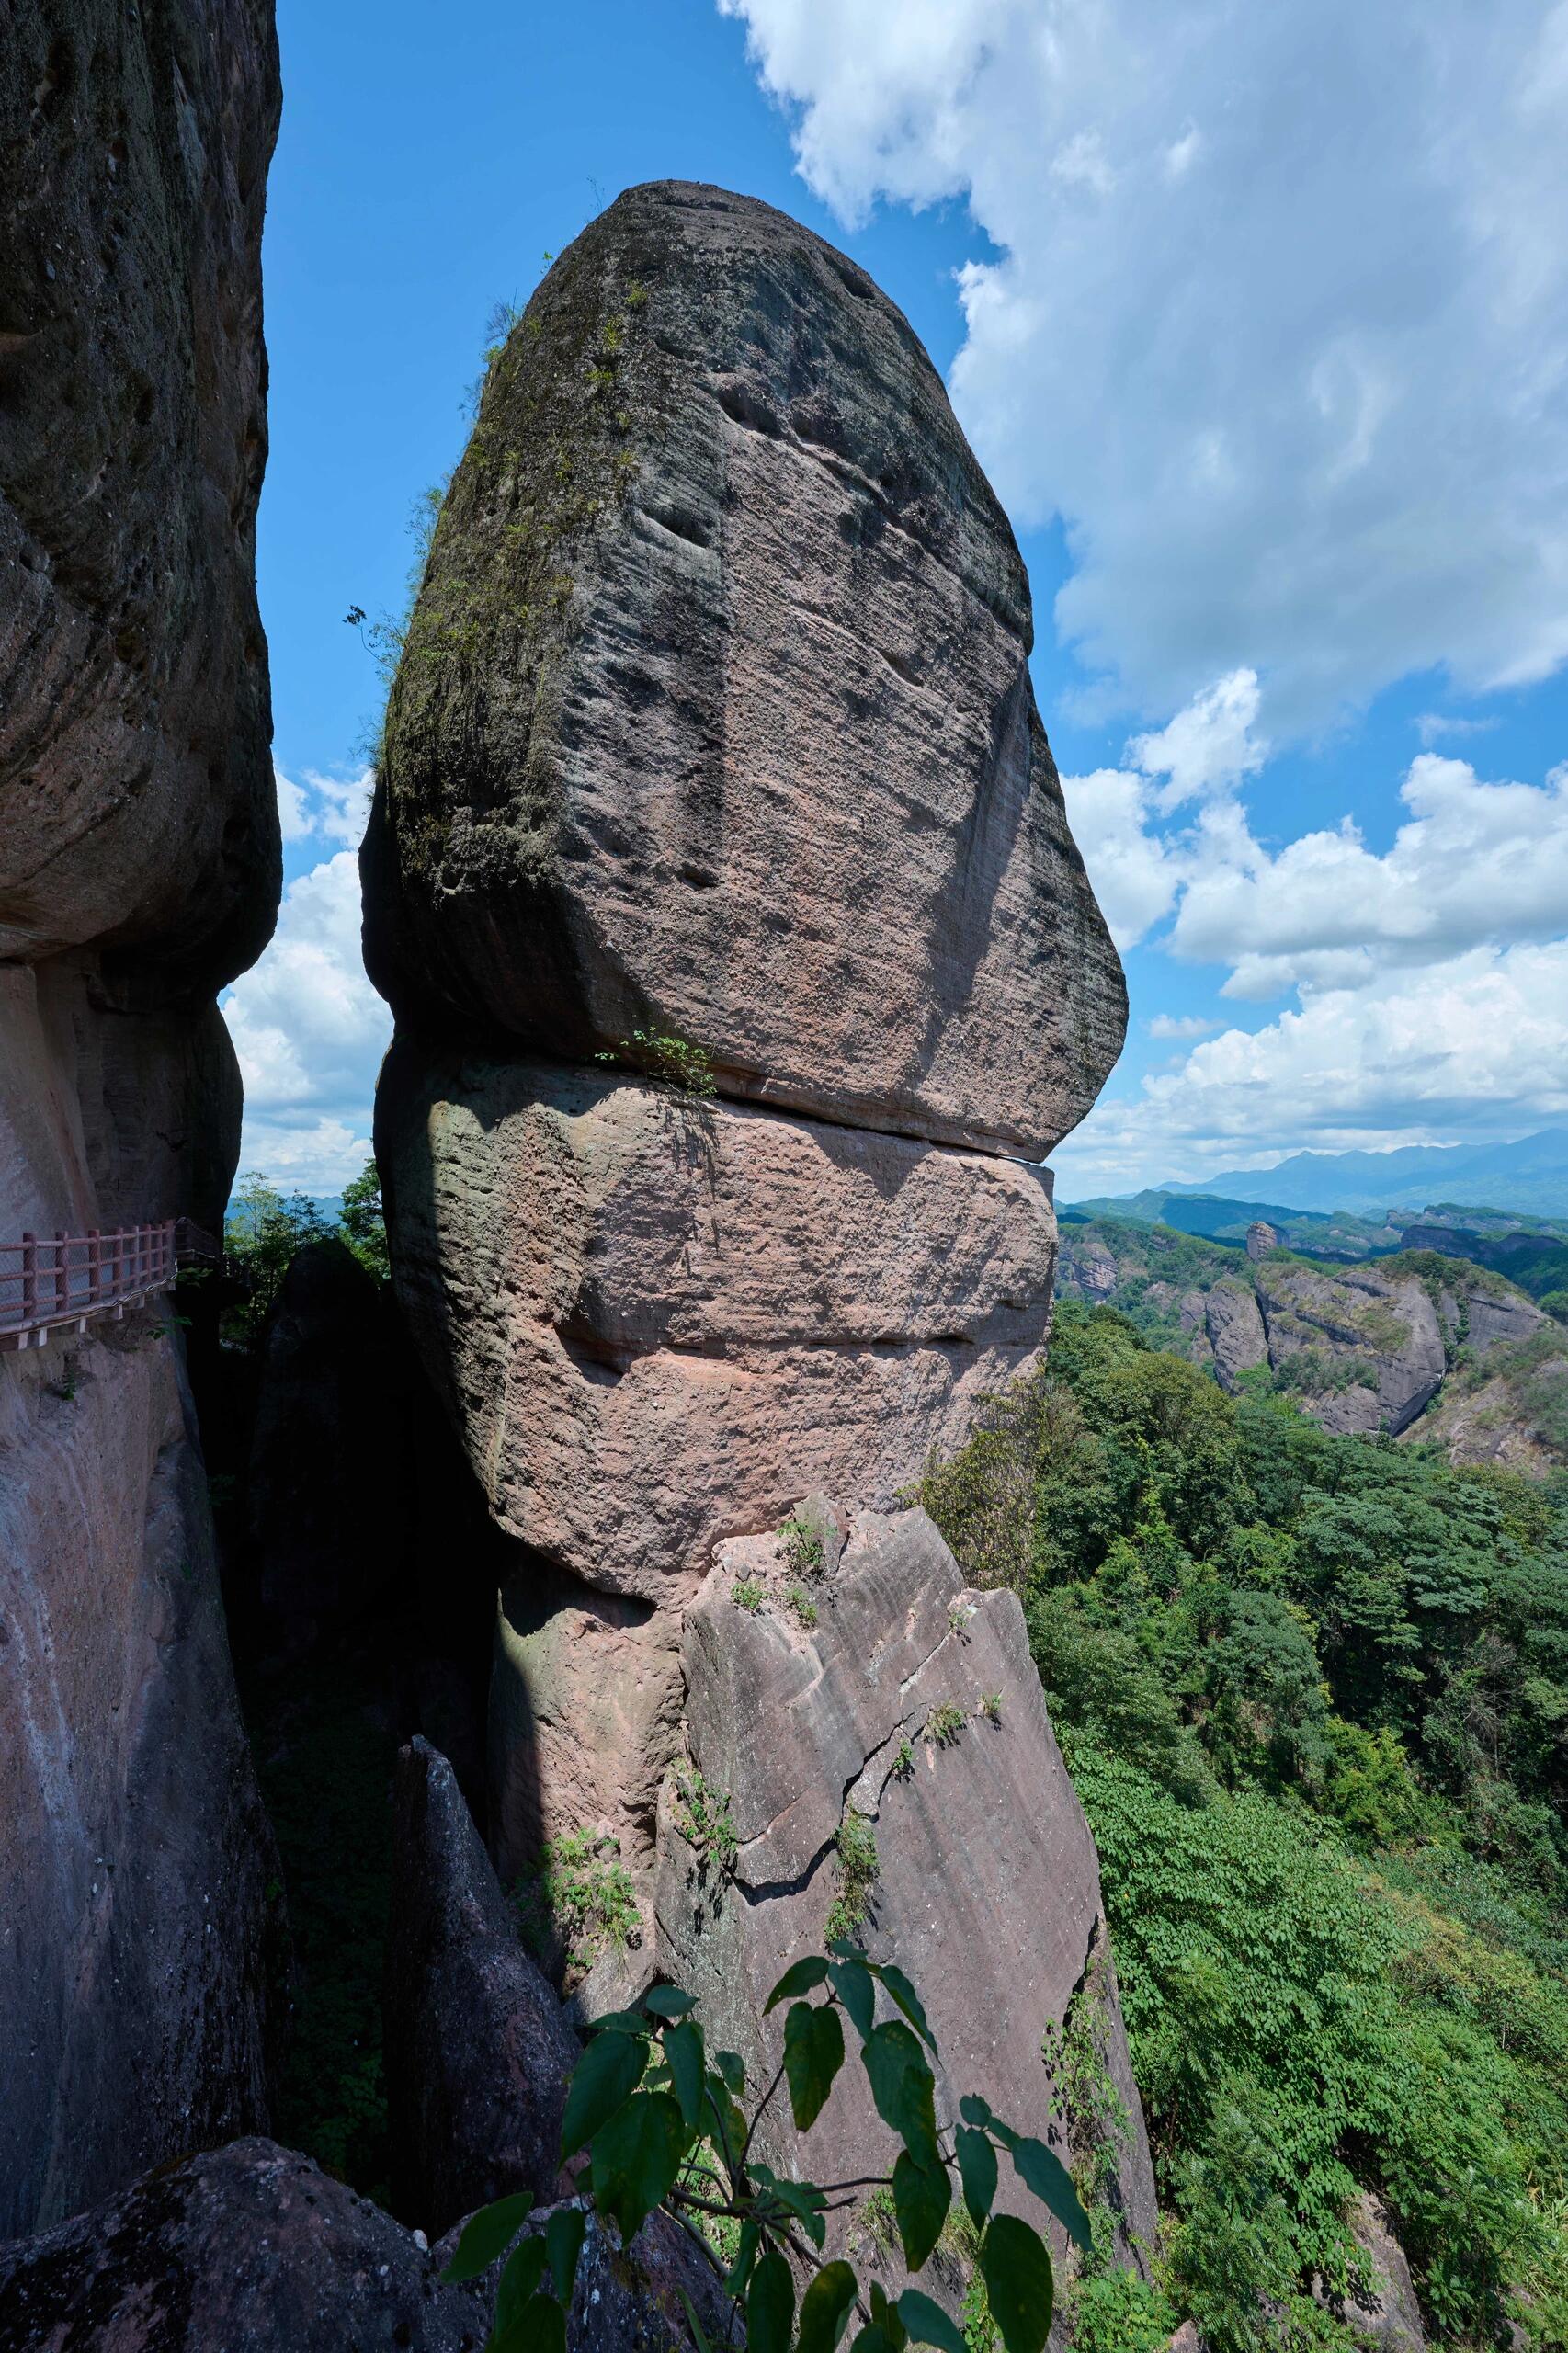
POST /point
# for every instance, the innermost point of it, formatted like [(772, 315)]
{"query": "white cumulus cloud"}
[(310, 1032), (325, 806), (1278, 326), (1477, 1043)]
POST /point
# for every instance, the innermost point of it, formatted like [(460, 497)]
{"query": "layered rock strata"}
[(720, 879), (139, 871), (658, 1320)]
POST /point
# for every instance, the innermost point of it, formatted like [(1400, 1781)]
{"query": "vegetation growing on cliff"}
[(672, 2131), (1313, 1691)]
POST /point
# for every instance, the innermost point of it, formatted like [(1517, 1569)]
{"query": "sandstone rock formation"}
[(720, 879), (1367, 1349), (139, 871), (134, 1870), (715, 714), (136, 799), (252, 2249), (912, 1704), (1234, 1325), (658, 1322), (477, 2054), (1418, 1344)]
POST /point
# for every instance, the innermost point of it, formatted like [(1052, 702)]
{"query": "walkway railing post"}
[(30, 1277)]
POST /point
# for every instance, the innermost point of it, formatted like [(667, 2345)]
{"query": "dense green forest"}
[(1313, 1691)]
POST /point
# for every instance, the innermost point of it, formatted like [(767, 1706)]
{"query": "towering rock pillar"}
[(139, 871), (713, 763)]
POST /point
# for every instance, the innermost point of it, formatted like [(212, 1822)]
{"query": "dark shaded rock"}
[(136, 799), (136, 1868), (477, 2055), (331, 1483), (915, 1704), (715, 714), (248, 2250), (630, 2302), (138, 869)]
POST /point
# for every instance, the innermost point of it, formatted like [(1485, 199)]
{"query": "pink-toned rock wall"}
[(658, 1323)]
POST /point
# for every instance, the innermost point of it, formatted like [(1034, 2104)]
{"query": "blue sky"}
[(1259, 321)]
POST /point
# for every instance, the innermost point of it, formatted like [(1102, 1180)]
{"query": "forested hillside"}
[(1421, 1342), (1313, 1690)]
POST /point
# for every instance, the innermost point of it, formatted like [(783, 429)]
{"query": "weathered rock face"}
[(252, 2249), (135, 1866), (136, 798), (715, 716), (714, 721), (914, 1704), (139, 871), (1373, 1353), (330, 1490), (1236, 1330), (1385, 2314), (477, 2054), (658, 1322)]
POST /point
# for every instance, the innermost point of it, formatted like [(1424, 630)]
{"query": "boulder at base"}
[(252, 2249), (913, 1704)]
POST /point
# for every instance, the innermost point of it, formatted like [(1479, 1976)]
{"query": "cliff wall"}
[(139, 871)]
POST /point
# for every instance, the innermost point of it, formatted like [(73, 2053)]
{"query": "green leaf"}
[(1016, 2267), (563, 2237), (683, 2048), (856, 1988), (1042, 2170), (667, 2002), (928, 2324), (699, 2333), (973, 2110), (903, 2088), (872, 2338), (637, 2154), (520, 2276), (738, 2272), (724, 2124), (604, 2076), (921, 2197), (487, 2235), (770, 2306), (825, 2308), (539, 2327), (799, 1978), (619, 2022), (908, 2001), (802, 2198), (731, 2066), (977, 2171), (814, 2054)]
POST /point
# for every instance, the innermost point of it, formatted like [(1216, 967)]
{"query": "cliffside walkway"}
[(65, 1280)]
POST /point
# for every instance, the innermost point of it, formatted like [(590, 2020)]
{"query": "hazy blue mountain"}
[(1528, 1176)]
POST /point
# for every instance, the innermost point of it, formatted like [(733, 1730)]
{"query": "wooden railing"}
[(50, 1283)]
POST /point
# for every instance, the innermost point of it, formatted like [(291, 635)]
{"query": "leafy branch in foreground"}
[(668, 2128)]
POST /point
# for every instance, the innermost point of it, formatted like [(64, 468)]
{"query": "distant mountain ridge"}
[(1528, 1176)]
